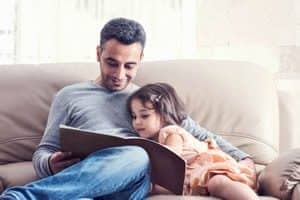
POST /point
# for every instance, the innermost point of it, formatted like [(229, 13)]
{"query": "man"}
[(113, 173)]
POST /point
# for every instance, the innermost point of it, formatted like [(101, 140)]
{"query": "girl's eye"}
[(133, 117), (145, 116)]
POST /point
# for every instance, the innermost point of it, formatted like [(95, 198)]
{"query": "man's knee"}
[(126, 154), (216, 183), (134, 161), (135, 155)]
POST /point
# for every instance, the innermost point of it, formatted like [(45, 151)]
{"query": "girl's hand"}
[(248, 162)]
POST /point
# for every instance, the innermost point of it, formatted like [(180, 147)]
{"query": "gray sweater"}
[(93, 107)]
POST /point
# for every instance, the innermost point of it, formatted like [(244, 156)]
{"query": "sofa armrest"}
[(16, 174), (288, 88)]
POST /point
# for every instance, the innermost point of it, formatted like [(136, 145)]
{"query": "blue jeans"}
[(113, 173)]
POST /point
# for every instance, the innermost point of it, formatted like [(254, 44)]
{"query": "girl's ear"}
[(163, 121)]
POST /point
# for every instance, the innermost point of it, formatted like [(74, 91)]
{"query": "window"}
[(68, 31), (7, 32), (265, 32)]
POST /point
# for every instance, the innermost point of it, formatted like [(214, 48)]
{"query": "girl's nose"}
[(137, 121)]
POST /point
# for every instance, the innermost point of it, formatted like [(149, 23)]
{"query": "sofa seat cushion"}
[(16, 174), (173, 197), (27, 92)]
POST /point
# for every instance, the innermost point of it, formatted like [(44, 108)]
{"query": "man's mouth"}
[(118, 82)]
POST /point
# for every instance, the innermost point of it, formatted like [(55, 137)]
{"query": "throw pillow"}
[(281, 176)]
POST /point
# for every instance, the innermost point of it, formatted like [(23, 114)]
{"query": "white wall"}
[(261, 31)]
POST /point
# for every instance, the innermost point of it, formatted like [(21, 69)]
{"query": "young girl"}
[(157, 113)]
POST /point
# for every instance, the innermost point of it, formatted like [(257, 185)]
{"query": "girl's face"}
[(145, 120)]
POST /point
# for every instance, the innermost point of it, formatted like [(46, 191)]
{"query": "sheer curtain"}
[(68, 30), (7, 31), (266, 32)]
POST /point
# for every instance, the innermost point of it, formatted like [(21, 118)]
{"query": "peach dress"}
[(204, 160)]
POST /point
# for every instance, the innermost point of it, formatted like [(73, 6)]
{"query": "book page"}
[(167, 168)]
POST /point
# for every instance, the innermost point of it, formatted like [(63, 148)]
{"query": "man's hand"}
[(61, 160)]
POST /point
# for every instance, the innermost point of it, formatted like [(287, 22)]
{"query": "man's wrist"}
[(49, 166)]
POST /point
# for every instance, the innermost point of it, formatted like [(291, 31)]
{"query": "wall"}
[(266, 32)]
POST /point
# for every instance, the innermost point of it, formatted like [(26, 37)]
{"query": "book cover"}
[(167, 168)]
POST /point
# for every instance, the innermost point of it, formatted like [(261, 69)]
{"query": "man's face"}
[(118, 63)]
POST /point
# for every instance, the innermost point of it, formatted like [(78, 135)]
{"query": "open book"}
[(167, 168)]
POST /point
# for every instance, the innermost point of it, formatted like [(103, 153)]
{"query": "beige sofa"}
[(237, 100), (288, 89)]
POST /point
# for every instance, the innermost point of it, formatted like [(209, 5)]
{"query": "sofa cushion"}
[(236, 100), (27, 92), (281, 176), (289, 107), (168, 197), (16, 174)]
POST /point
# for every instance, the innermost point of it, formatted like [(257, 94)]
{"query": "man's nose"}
[(120, 72)]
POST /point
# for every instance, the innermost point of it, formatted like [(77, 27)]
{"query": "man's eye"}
[(129, 66), (112, 64)]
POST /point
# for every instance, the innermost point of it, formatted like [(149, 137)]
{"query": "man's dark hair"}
[(164, 100), (126, 31)]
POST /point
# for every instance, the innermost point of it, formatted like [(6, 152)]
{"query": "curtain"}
[(68, 30), (264, 32)]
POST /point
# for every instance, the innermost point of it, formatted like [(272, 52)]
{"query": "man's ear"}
[(99, 52), (142, 55)]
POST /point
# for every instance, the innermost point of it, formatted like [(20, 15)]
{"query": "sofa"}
[(237, 100)]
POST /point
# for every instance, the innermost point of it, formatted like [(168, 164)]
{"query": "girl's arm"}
[(202, 134), (175, 142), (248, 162)]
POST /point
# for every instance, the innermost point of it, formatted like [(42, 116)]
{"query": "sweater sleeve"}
[(202, 134), (50, 142)]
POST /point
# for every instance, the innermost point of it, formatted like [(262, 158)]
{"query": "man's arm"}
[(50, 141), (202, 134)]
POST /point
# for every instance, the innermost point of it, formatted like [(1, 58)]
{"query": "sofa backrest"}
[(236, 100), (26, 95)]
